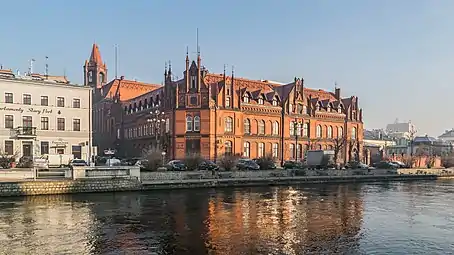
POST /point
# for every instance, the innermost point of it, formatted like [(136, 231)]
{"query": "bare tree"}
[(338, 145)]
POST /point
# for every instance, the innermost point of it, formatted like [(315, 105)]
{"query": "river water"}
[(387, 218)]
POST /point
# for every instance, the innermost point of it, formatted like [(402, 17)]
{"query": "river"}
[(384, 218)]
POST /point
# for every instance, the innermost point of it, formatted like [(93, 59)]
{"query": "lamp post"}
[(157, 118), (297, 131)]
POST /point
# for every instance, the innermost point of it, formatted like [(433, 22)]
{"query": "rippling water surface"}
[(389, 218)]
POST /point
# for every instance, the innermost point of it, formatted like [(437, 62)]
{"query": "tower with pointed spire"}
[(95, 71)]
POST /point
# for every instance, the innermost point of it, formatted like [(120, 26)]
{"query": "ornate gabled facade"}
[(216, 114)]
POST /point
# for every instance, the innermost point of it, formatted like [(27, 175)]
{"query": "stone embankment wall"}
[(26, 188), (435, 171)]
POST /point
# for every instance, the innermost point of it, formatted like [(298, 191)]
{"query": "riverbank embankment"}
[(126, 181)]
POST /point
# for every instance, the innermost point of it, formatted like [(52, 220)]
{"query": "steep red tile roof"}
[(127, 89), (95, 56)]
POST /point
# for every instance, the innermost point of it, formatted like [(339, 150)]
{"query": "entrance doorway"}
[(27, 149)]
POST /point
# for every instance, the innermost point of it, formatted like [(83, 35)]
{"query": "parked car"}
[(78, 162), (129, 161), (399, 164), (208, 165), (176, 165), (142, 163), (247, 164), (385, 165), (357, 165)]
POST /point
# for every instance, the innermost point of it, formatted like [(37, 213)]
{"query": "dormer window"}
[(260, 101), (275, 103), (227, 102), (339, 110), (193, 82), (246, 98), (317, 108), (328, 109)]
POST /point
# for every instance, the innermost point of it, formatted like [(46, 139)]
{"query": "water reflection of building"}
[(45, 225), (286, 219)]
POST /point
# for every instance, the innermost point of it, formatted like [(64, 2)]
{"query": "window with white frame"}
[(261, 150), (275, 128), (275, 150), (305, 130), (188, 123), (228, 124), (246, 149), (330, 132), (318, 132), (196, 123)]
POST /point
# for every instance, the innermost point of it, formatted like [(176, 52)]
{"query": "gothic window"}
[(353, 133), (188, 123), (247, 126), (228, 125), (101, 78), (275, 150), (261, 150), (90, 76), (305, 130), (246, 149), (292, 128), (318, 132), (193, 82), (228, 148), (330, 132), (227, 102), (260, 101), (261, 127), (340, 132), (196, 123), (275, 102), (275, 128), (292, 151)]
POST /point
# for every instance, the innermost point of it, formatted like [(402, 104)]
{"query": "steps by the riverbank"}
[(47, 187)]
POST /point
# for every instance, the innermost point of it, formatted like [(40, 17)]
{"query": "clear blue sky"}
[(396, 55)]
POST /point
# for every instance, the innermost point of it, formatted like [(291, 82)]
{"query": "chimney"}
[(337, 93)]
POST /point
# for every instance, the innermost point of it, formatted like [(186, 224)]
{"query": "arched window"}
[(340, 132), (101, 78), (292, 128), (275, 128), (228, 124), (196, 123), (260, 101), (330, 132), (188, 124), (319, 146), (261, 150), (247, 126), (275, 150), (228, 150), (292, 150), (261, 127), (275, 101), (354, 133), (227, 102), (318, 132), (330, 147), (246, 149), (305, 130)]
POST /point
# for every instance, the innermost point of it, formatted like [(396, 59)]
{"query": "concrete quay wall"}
[(52, 187)]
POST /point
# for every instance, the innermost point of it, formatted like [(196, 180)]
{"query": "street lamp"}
[(296, 132), (157, 118)]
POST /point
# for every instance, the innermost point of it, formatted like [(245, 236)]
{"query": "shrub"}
[(228, 162), (447, 161), (409, 161), (266, 162), (193, 161), (154, 161)]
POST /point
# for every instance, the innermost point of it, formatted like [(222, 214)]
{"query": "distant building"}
[(376, 142), (401, 130), (448, 136)]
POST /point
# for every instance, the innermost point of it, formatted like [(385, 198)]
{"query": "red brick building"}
[(216, 114)]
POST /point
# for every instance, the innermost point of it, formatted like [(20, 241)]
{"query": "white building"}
[(44, 116), (401, 130), (448, 136)]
